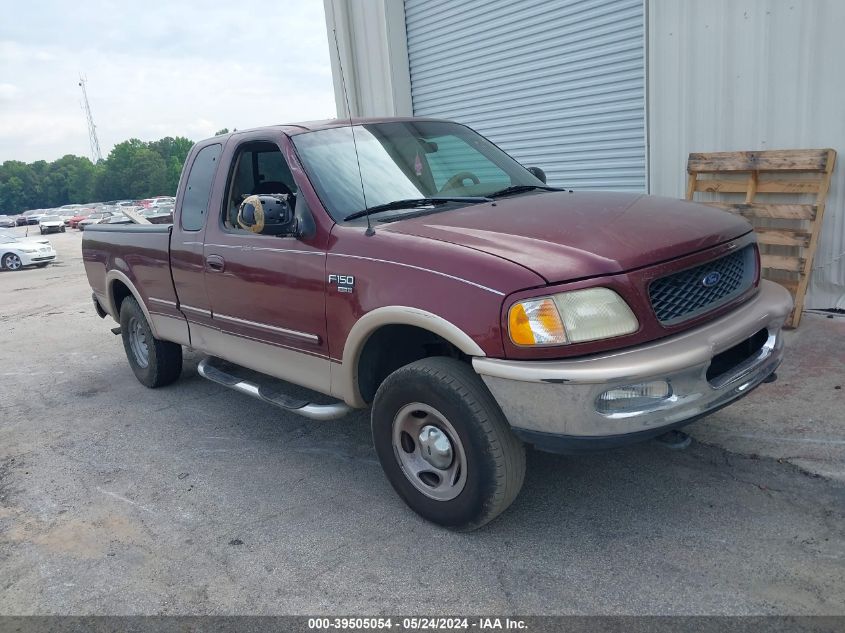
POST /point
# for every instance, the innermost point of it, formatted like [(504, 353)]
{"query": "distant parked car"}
[(82, 215), (32, 216), (67, 214), (117, 218), (162, 202), (11, 236), (67, 211), (21, 220), (94, 218), (16, 252), (158, 208), (51, 224), (7, 221)]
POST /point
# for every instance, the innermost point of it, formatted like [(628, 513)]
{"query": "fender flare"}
[(345, 382), (116, 275)]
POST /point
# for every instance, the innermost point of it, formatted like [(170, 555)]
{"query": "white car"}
[(51, 224), (16, 252)]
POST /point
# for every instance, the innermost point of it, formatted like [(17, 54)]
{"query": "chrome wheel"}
[(138, 342), (12, 262), (429, 451)]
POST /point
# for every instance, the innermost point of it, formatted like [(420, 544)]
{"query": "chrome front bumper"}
[(556, 400)]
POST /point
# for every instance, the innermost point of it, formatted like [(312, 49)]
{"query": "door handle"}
[(215, 263)]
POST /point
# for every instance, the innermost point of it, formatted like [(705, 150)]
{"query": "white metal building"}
[(612, 94)]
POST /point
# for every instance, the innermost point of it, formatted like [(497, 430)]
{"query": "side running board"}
[(222, 373)]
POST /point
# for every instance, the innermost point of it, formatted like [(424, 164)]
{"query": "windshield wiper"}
[(520, 188), (413, 203)]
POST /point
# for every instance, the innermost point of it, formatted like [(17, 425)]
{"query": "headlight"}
[(29, 250), (571, 317)]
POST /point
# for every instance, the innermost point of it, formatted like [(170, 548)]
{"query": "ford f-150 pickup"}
[(411, 266)]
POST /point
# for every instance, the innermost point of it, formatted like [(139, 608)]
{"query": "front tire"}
[(445, 444), (156, 363), (11, 261)]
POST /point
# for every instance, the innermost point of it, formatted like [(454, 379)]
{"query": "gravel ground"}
[(116, 499)]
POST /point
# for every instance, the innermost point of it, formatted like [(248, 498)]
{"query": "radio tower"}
[(92, 129)]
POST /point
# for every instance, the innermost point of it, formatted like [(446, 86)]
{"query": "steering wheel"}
[(458, 180)]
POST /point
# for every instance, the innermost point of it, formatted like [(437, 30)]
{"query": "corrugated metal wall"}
[(559, 85), (730, 75)]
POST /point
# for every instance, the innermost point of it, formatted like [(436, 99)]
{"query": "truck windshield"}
[(404, 160)]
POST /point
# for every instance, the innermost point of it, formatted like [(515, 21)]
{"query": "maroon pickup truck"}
[(411, 266)]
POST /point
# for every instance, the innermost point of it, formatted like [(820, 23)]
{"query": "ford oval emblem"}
[(711, 279)]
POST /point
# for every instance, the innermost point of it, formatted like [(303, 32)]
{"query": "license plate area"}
[(726, 363)]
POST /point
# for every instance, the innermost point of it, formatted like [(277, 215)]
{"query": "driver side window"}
[(259, 167)]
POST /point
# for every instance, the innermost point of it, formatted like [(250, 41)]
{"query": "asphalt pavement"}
[(192, 499)]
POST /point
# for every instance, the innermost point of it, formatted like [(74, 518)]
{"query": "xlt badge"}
[(345, 283)]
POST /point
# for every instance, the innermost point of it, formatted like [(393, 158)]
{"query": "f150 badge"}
[(345, 283)]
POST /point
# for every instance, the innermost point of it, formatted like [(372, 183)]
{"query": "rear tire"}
[(468, 478), (156, 363)]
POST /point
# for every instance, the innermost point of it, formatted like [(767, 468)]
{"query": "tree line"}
[(134, 169)]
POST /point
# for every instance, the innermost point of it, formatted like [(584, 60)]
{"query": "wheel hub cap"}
[(429, 451), (435, 447), (138, 343)]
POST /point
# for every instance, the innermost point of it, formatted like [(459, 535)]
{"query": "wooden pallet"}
[(783, 194)]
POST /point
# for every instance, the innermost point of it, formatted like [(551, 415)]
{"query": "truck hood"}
[(563, 236)]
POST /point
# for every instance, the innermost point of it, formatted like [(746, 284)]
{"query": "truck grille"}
[(694, 291)]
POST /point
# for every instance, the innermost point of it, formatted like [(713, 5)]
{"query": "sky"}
[(157, 68)]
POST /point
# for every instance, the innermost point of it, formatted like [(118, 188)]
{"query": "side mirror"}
[(539, 174), (267, 214)]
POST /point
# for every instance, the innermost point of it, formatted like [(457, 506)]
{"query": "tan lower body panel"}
[(343, 386), (302, 369), (169, 328)]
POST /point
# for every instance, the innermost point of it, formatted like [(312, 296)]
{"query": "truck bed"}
[(139, 253)]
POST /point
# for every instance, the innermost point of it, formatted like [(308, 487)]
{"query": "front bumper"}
[(44, 254), (553, 404)]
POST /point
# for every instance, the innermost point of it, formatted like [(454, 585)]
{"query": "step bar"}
[(306, 409)]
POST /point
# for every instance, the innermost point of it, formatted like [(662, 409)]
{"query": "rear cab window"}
[(198, 187)]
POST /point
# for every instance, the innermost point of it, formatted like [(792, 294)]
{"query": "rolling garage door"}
[(559, 85)]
